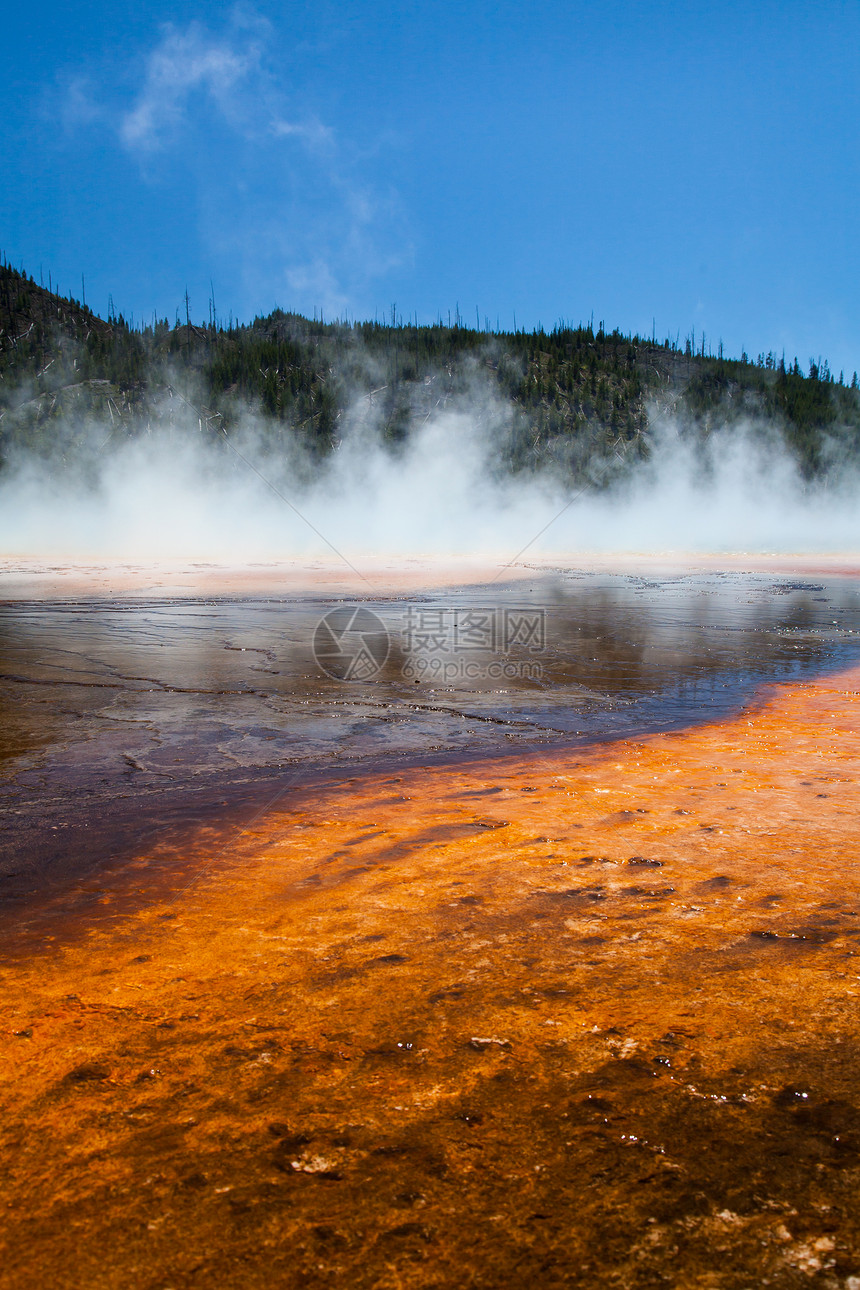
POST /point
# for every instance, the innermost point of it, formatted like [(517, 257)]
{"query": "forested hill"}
[(575, 396)]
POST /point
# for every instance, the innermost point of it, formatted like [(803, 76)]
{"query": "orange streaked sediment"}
[(569, 1018)]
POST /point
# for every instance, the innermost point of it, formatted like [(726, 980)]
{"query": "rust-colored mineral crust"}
[(583, 1018)]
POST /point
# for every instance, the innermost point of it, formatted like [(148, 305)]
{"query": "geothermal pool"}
[(525, 959), (122, 716)]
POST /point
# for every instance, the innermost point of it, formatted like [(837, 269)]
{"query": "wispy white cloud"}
[(228, 72), (280, 192), (311, 131), (186, 63), (317, 281), (79, 104)]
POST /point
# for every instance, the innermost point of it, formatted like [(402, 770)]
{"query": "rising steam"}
[(180, 492)]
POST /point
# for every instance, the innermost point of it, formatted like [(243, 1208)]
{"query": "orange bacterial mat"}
[(579, 1018)]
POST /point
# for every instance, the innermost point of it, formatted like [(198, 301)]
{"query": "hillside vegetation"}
[(572, 397)]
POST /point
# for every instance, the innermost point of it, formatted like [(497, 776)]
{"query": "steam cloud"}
[(178, 493)]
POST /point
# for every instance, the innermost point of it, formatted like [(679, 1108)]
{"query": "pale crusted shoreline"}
[(35, 578)]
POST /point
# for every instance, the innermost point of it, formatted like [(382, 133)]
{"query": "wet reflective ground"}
[(122, 719), (542, 981)]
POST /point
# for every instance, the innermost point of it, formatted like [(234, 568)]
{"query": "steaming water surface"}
[(125, 720)]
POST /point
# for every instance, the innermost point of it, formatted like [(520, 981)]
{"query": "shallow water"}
[(119, 717)]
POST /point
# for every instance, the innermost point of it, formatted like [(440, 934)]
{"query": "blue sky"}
[(693, 166)]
